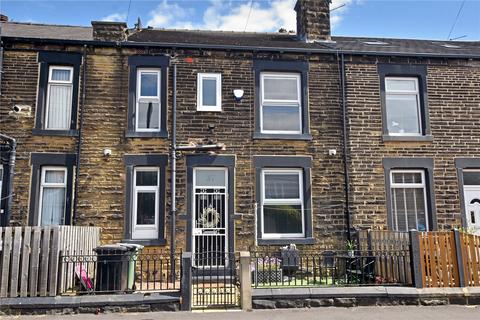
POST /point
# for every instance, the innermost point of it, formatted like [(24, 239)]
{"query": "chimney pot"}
[(313, 20), (109, 31)]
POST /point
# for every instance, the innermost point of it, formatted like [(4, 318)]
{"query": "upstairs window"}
[(52, 196), (57, 94), (281, 103), (209, 92), (148, 100), (403, 110), (147, 97), (59, 98), (409, 200)]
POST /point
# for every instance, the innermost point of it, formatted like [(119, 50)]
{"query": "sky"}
[(433, 19)]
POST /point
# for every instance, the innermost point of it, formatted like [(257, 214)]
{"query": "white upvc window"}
[(58, 113), (403, 109), (280, 103), (209, 92), (1, 186), (53, 189), (409, 200), (146, 193), (282, 206), (147, 109)]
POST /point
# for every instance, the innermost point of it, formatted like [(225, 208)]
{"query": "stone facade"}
[(101, 184)]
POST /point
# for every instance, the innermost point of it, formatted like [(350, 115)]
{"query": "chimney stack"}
[(313, 20), (109, 31), (3, 18)]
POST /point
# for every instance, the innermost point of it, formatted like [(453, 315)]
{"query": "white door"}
[(210, 215), (472, 207)]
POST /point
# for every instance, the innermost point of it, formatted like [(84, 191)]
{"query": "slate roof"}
[(199, 38), (45, 31)]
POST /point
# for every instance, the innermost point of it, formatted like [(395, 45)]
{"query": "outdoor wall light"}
[(107, 152), (238, 94)]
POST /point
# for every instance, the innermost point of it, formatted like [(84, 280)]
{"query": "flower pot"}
[(351, 253)]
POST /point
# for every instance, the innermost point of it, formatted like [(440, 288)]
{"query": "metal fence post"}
[(415, 259), (459, 257), (245, 281), (186, 289)]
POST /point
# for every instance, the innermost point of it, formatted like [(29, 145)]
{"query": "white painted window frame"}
[(397, 185), (294, 201), (1, 186), (153, 99), (44, 185), (57, 83), (218, 81), (415, 92), (280, 103), (148, 231)]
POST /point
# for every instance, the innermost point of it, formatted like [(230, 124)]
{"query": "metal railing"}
[(119, 273), (295, 268)]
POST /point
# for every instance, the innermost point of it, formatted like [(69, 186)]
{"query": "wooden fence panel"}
[(470, 252), (438, 259), (30, 257), (391, 267)]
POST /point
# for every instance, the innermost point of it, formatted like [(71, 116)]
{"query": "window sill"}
[(286, 241), (146, 243), (61, 133), (134, 134), (426, 138), (271, 136)]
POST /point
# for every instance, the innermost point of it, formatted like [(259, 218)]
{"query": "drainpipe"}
[(173, 172), (11, 165), (345, 146), (80, 136)]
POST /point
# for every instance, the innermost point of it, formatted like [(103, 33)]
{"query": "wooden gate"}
[(438, 259), (470, 251), (30, 257)]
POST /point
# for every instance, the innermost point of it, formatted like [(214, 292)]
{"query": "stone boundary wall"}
[(89, 304), (357, 296)]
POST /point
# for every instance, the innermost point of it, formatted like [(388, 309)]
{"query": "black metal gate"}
[(215, 280)]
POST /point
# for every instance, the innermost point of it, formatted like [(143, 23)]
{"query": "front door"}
[(472, 207), (210, 215)]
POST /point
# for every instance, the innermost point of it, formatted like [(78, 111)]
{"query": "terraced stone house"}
[(221, 141)]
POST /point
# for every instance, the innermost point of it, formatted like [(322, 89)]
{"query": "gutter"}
[(5, 218), (80, 134), (130, 44)]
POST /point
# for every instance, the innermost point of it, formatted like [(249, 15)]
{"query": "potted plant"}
[(351, 246)]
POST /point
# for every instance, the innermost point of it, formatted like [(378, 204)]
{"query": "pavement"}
[(332, 313)]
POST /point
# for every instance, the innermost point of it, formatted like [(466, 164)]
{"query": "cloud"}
[(118, 17), (170, 15), (261, 16)]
